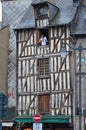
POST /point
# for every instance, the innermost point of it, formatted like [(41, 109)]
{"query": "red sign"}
[(37, 118)]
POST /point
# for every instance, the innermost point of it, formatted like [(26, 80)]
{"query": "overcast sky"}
[(0, 12)]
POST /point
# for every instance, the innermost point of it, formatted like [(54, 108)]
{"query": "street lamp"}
[(63, 54)]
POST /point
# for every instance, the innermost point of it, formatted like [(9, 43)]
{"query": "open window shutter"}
[(43, 103)]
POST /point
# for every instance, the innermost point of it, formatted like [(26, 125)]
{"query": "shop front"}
[(47, 122)]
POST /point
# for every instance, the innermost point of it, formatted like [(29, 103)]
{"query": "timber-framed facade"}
[(54, 83), (44, 82)]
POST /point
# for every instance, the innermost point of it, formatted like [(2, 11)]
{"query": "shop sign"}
[(37, 126)]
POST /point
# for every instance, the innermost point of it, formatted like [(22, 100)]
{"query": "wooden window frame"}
[(39, 33), (42, 12), (43, 68)]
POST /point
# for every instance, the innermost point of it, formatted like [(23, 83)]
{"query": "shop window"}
[(42, 37), (42, 12), (43, 103), (43, 68)]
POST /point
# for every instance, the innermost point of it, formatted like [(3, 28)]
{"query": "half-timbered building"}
[(46, 84), (44, 78)]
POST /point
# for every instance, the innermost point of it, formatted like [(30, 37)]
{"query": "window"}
[(39, 35), (43, 68), (43, 103), (42, 12)]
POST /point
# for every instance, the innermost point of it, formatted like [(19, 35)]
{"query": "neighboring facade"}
[(4, 44), (78, 31), (12, 13)]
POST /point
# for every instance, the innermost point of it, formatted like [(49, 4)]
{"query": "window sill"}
[(43, 46)]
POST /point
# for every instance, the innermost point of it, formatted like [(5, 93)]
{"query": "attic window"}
[(42, 12)]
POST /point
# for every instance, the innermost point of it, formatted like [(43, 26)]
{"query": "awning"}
[(44, 119), (9, 124)]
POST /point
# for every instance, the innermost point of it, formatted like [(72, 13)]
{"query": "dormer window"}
[(45, 12), (42, 12)]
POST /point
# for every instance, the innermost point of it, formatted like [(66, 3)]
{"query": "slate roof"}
[(79, 24), (65, 15)]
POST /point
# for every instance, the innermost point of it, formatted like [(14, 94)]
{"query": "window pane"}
[(43, 11), (43, 67)]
